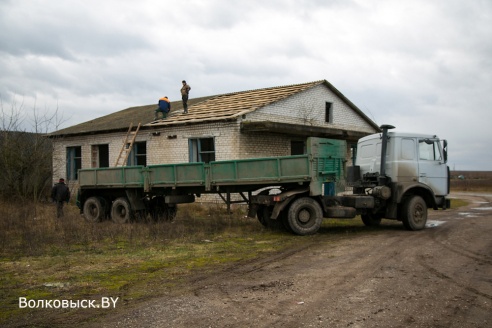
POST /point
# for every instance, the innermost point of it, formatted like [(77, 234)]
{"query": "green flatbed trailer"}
[(295, 191), (123, 193)]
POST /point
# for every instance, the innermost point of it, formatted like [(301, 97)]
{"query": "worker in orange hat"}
[(164, 106)]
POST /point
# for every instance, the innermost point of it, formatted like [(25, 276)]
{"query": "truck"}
[(393, 175)]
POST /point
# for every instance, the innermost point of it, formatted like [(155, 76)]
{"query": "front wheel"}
[(414, 213), (304, 216), (121, 211)]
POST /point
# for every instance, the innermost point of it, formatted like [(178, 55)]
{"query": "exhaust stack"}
[(383, 179)]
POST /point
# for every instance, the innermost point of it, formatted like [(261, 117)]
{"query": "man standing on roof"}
[(185, 91), (164, 107)]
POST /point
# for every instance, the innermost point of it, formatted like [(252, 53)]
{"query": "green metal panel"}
[(177, 174), (87, 177), (328, 162), (112, 176), (329, 148), (260, 169), (323, 163)]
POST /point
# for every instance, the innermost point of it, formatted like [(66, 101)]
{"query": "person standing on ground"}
[(60, 194), (164, 107), (185, 91)]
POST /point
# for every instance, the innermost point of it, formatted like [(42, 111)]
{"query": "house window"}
[(100, 155), (297, 147), (329, 112), (74, 162), (202, 150), (138, 155)]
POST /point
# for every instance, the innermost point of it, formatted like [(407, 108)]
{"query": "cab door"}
[(432, 168)]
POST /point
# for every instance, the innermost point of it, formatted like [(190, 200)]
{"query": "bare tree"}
[(25, 151), (307, 113)]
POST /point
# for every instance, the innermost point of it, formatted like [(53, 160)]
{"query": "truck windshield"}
[(429, 150)]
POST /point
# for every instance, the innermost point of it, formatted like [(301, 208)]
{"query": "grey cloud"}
[(63, 34)]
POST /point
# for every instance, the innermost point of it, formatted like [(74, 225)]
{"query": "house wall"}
[(308, 108)]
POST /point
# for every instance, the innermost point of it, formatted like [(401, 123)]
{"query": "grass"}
[(456, 203), (44, 258), (480, 181)]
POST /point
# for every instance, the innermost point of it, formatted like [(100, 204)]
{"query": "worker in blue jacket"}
[(164, 107)]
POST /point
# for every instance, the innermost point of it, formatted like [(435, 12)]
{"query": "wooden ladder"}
[(127, 145)]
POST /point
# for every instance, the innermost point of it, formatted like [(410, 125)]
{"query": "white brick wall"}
[(308, 107)]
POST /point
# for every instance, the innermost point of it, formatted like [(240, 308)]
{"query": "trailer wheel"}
[(171, 212), (414, 213), (94, 209), (121, 211), (371, 220), (284, 218), (304, 216), (158, 209), (264, 213)]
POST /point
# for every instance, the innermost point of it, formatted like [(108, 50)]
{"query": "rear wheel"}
[(414, 213), (304, 216), (94, 209), (121, 211)]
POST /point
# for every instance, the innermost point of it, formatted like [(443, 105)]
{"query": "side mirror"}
[(445, 150)]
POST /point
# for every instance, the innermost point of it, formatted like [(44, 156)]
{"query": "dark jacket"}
[(60, 192), (164, 105)]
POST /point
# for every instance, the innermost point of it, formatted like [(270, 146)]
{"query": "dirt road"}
[(388, 277)]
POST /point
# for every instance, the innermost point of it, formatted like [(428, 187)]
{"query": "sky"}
[(420, 65)]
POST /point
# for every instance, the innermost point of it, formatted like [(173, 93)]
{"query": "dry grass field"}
[(44, 258), (471, 181)]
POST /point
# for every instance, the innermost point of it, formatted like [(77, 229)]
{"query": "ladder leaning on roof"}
[(127, 145)]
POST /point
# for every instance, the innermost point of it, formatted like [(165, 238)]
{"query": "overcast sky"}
[(421, 65)]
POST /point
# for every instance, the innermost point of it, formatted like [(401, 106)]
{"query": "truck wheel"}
[(371, 220), (304, 216), (121, 211), (414, 213), (94, 210)]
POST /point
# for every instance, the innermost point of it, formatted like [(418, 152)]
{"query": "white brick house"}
[(257, 123)]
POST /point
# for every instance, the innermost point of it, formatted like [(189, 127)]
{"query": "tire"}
[(414, 213), (264, 213), (158, 209), (172, 211), (94, 209), (304, 216), (121, 211), (371, 220), (284, 218)]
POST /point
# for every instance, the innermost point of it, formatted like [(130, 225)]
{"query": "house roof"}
[(206, 109)]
